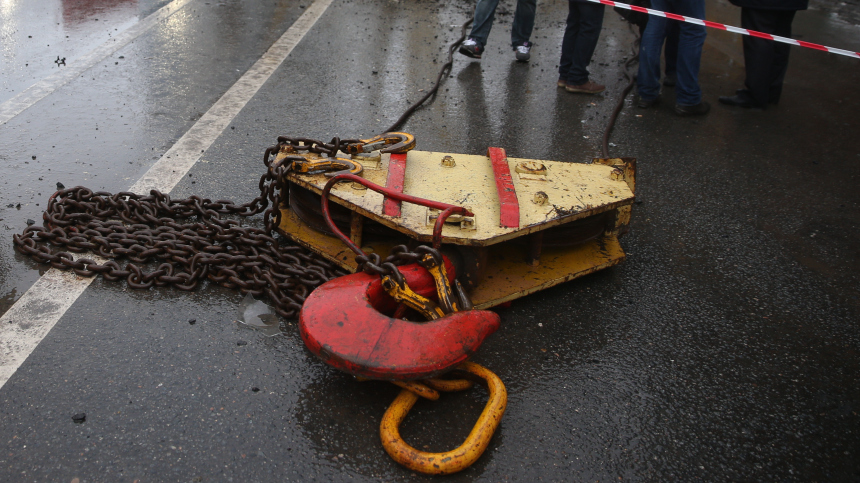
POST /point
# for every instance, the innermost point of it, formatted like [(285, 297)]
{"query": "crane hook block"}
[(344, 323)]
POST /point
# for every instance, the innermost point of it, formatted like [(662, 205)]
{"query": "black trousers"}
[(584, 21), (766, 60)]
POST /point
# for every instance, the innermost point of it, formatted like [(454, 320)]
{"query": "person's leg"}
[(758, 55), (670, 52), (590, 23), (568, 42), (648, 79), (485, 13), (690, 42), (524, 22), (784, 19)]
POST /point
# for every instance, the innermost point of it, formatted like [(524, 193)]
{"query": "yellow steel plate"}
[(329, 247), (574, 191), (507, 277)]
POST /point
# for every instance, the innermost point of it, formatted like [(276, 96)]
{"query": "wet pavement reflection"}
[(34, 34), (259, 316), (723, 348)]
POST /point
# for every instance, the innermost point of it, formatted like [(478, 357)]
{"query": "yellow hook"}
[(457, 459)]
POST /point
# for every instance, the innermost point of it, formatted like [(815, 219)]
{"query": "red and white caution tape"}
[(737, 30)]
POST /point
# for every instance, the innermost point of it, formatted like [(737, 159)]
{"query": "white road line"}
[(30, 319), (46, 86), (176, 162)]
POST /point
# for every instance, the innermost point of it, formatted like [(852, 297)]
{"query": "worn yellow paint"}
[(580, 190), (449, 461), (508, 277), (574, 191), (449, 385), (328, 246), (406, 296), (626, 165), (419, 389)]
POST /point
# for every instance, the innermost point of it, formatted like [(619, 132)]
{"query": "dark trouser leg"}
[(673, 33), (766, 61), (568, 42), (692, 38), (648, 79), (524, 22), (580, 40), (485, 13), (780, 55)]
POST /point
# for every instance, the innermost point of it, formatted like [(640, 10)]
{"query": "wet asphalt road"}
[(725, 348)]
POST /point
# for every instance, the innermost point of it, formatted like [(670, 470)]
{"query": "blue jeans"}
[(524, 21), (692, 37), (670, 52), (584, 21)]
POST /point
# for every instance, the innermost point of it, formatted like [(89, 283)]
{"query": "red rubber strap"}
[(509, 206), (446, 208), (395, 182)]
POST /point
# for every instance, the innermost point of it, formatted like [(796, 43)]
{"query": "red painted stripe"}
[(760, 35), (395, 181), (720, 26), (812, 46), (509, 206)]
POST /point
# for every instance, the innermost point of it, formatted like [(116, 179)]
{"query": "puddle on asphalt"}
[(259, 316)]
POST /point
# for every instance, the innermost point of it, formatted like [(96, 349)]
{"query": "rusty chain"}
[(180, 242)]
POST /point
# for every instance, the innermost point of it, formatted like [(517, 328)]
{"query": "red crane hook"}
[(345, 323)]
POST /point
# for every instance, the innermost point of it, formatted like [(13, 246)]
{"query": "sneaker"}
[(561, 83), (522, 51), (471, 48), (647, 103), (694, 110), (587, 88)]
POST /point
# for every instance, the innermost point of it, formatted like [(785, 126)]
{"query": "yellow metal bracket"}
[(443, 287), (337, 165), (390, 142), (457, 459), (403, 294)]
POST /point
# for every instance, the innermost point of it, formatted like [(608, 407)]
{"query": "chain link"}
[(186, 240)]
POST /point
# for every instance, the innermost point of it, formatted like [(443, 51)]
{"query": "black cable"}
[(631, 82), (446, 68)]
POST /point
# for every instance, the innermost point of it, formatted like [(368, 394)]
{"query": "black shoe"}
[(740, 100), (647, 103), (694, 110), (745, 93)]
